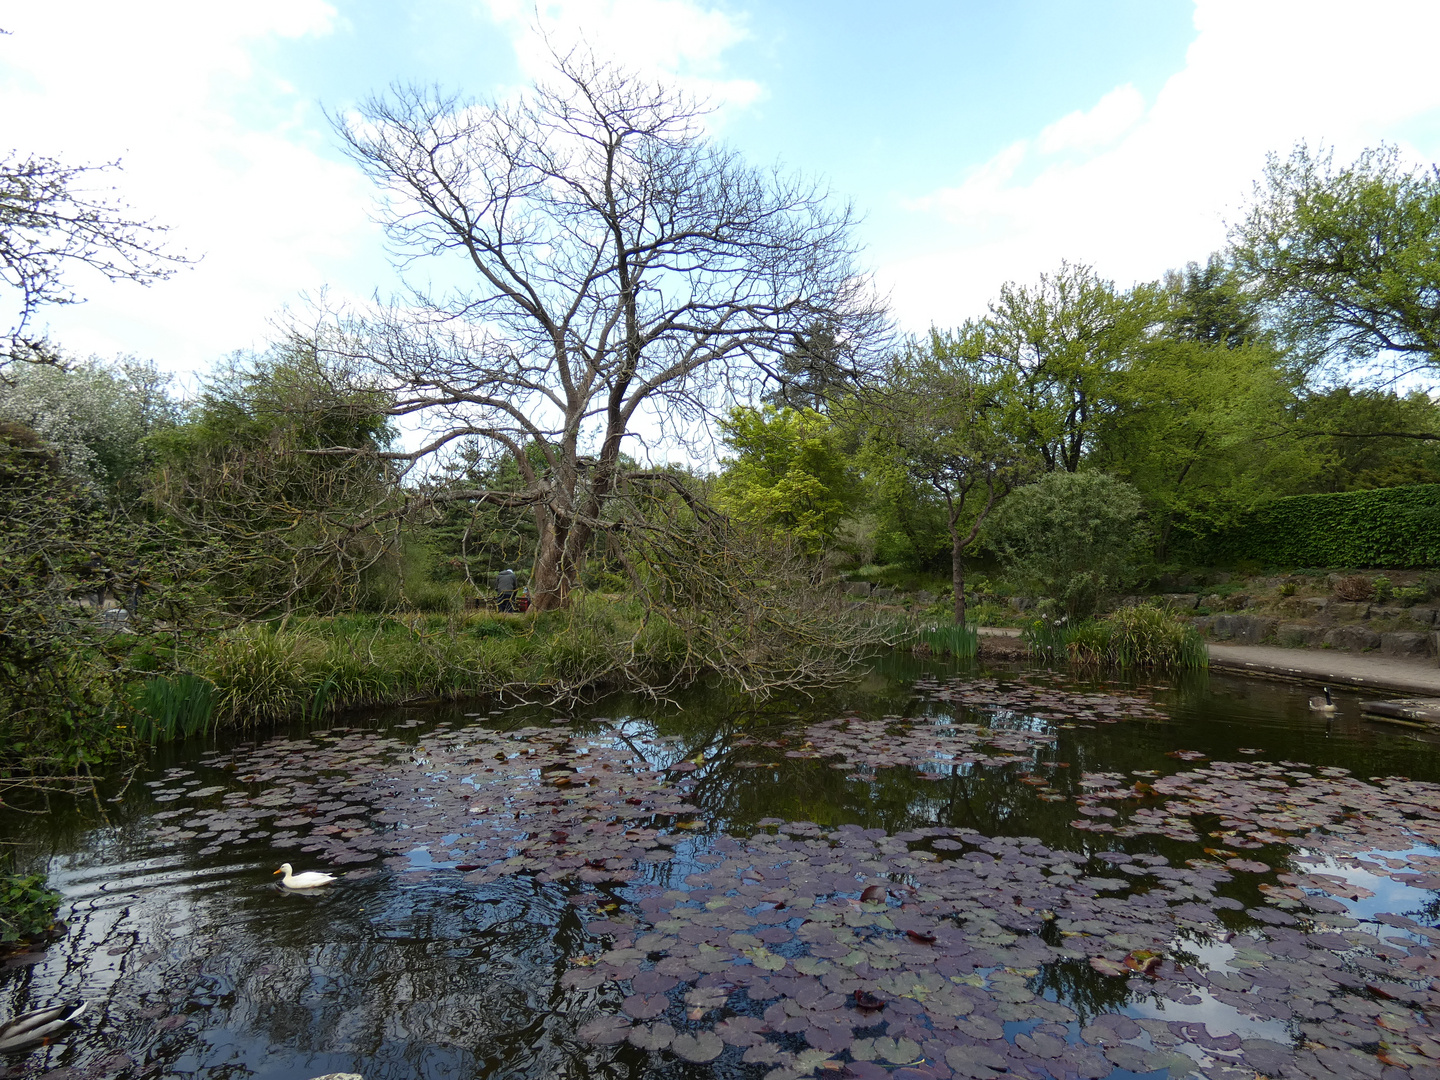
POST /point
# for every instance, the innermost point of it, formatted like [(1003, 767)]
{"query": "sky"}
[(983, 142)]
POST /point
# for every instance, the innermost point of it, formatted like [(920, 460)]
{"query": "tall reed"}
[(1133, 637), (174, 707)]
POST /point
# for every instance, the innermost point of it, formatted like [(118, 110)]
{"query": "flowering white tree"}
[(92, 415)]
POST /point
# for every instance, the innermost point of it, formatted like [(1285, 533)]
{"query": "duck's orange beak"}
[(279, 872)]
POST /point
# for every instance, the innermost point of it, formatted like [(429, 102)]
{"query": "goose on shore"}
[(38, 1025), (1322, 704), (310, 879)]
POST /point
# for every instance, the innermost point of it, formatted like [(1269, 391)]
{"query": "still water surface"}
[(198, 964)]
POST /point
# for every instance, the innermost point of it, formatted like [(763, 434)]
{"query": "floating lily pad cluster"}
[(1047, 696), (932, 745), (938, 952), (492, 803), (861, 951)]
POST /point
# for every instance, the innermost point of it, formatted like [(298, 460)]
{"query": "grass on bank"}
[(310, 666)]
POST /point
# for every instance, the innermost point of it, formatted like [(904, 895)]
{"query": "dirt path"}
[(1326, 666), (1319, 666)]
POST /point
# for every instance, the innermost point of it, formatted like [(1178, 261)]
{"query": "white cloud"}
[(680, 40), (1115, 114), (214, 145), (1156, 189)]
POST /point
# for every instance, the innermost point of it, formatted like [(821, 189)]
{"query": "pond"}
[(939, 872)]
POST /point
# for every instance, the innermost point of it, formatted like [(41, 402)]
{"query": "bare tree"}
[(617, 264), (48, 223)]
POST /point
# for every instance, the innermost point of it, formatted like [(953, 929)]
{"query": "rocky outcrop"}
[(1243, 629), (1352, 638), (1403, 644), (1295, 635)]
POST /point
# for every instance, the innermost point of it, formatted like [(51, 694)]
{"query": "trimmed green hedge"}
[(1396, 528)]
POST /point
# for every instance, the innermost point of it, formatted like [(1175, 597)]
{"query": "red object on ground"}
[(522, 603)]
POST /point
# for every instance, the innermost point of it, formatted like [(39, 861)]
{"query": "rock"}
[(857, 588), (1353, 638), (1401, 644), (1295, 635), (1203, 623), (1317, 604), (1236, 602), (1222, 578), (1022, 603), (1243, 629), (925, 596), (1343, 612), (882, 592), (1378, 612), (1425, 616), (1180, 601)]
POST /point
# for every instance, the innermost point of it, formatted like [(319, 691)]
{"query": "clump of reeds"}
[(1132, 637), (174, 707), (939, 639)]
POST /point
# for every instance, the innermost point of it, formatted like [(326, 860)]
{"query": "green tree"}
[(1349, 255), (1210, 305), (1072, 536), (957, 424), (1066, 341), (95, 417), (1363, 438), (1206, 435), (788, 475)]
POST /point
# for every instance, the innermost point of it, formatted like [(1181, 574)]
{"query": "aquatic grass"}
[(174, 707), (311, 667), (1150, 637), (1046, 639), (1132, 637), (940, 639)]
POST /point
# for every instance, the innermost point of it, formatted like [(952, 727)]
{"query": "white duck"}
[(310, 879), (36, 1026)]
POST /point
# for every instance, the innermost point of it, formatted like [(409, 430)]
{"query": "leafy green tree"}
[(1349, 255), (1067, 342), (1209, 304), (1205, 436), (957, 424), (789, 474), (1072, 536), (1363, 439)]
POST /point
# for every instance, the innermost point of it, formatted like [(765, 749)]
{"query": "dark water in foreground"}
[(436, 955)]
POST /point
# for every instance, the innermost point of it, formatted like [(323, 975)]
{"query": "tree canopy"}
[(1348, 254)]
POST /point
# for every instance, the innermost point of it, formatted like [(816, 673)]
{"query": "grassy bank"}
[(312, 666)]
